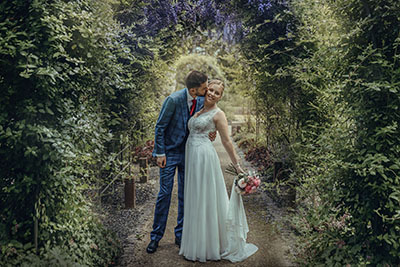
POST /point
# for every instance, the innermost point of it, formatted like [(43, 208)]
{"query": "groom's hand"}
[(212, 136), (161, 161)]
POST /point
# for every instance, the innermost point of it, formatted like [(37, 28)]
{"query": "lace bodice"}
[(201, 126)]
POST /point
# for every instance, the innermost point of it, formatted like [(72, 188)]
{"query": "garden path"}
[(273, 249)]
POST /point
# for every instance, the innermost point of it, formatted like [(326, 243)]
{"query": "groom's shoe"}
[(152, 247), (178, 242)]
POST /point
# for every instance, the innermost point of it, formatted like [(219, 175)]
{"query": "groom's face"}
[(201, 91)]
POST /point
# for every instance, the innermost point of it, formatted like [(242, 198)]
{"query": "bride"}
[(214, 227)]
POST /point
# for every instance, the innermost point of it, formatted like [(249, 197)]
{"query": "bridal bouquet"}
[(245, 183)]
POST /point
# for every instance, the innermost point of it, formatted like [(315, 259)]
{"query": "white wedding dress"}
[(214, 227)]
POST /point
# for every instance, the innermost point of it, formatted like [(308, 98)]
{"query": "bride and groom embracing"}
[(215, 226)]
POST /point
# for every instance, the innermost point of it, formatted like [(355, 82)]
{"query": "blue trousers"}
[(175, 161)]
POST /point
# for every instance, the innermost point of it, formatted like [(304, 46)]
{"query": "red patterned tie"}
[(193, 106)]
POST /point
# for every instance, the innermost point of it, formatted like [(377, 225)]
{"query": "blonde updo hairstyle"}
[(218, 83)]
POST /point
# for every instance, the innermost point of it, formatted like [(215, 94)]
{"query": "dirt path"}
[(272, 248)]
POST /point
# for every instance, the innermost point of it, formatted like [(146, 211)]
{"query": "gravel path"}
[(268, 228)]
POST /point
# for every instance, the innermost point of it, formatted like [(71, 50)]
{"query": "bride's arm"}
[(221, 124)]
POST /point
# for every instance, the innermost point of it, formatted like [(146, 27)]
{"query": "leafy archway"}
[(78, 80), (324, 78)]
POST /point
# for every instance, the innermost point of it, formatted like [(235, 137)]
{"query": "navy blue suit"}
[(170, 139)]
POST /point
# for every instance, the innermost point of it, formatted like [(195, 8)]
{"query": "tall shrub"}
[(370, 186), (70, 80), (349, 212)]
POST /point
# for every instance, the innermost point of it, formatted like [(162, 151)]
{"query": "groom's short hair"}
[(195, 79)]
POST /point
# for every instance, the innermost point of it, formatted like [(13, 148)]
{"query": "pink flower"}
[(248, 188)]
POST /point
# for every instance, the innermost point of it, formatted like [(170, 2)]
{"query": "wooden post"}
[(288, 188), (130, 193), (291, 195), (130, 186), (236, 126), (144, 170), (277, 170)]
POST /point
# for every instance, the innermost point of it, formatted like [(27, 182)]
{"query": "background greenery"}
[(74, 86), (319, 80), (327, 76)]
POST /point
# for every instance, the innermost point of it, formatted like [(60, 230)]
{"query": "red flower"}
[(248, 188)]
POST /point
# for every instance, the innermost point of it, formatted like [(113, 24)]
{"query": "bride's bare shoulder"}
[(219, 116)]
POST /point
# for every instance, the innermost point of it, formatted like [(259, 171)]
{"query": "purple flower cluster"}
[(162, 14), (261, 5), (230, 18)]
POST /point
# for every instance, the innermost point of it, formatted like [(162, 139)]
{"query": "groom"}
[(169, 148)]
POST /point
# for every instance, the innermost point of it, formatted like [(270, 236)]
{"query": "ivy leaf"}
[(48, 110)]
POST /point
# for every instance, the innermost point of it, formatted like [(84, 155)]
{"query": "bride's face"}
[(214, 93)]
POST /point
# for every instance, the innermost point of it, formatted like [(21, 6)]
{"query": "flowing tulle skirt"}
[(214, 227)]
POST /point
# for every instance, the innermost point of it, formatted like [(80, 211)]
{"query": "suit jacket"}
[(171, 127)]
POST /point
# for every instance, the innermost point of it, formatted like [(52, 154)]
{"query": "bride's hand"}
[(239, 169)]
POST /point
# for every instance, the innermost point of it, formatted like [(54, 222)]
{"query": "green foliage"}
[(326, 87), (270, 50), (206, 64), (20, 256), (347, 158), (371, 183), (71, 80), (323, 77)]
